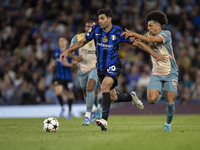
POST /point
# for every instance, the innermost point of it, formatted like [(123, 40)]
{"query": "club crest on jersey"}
[(105, 39), (113, 37)]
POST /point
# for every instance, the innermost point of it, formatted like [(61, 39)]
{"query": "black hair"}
[(157, 16), (106, 11)]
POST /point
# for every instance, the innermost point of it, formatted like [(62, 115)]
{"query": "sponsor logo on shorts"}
[(111, 70)]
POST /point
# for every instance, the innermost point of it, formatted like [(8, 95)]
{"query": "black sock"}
[(106, 105), (70, 104), (59, 97), (123, 97)]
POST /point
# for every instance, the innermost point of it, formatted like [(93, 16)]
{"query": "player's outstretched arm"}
[(77, 45), (67, 64), (143, 38), (143, 46)]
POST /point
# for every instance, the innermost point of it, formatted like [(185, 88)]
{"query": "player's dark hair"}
[(106, 11), (157, 16)]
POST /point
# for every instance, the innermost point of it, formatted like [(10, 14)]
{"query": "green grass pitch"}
[(140, 132)]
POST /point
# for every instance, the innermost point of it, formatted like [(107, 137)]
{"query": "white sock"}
[(168, 124), (87, 114), (94, 108)]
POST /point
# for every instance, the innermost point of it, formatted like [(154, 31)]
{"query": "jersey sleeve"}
[(90, 34), (165, 35), (125, 40), (146, 34), (73, 41)]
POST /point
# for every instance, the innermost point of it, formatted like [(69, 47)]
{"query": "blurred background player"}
[(164, 78), (63, 77), (107, 39), (87, 74)]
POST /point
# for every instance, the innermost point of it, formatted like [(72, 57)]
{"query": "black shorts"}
[(65, 83), (113, 72)]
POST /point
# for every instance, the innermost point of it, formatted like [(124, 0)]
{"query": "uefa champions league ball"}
[(50, 124)]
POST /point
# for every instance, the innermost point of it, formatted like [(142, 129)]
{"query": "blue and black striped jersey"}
[(107, 45), (62, 72)]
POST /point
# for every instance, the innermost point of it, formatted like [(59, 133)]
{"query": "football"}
[(50, 124)]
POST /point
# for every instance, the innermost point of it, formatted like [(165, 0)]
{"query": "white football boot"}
[(102, 123), (136, 101)]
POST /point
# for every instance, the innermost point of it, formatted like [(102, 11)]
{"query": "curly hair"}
[(158, 16)]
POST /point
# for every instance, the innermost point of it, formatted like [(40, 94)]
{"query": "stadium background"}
[(28, 36)]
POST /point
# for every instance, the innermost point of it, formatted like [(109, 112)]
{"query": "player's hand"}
[(128, 33), (132, 39), (79, 58), (63, 56), (161, 57), (74, 63)]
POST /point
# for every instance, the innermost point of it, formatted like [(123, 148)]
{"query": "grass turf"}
[(124, 132)]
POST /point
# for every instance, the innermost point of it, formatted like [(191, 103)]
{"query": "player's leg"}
[(87, 116), (170, 109), (83, 79), (93, 85), (153, 96), (105, 89), (70, 98), (96, 101), (59, 90), (170, 88), (154, 89), (106, 85), (118, 96), (98, 106), (90, 98)]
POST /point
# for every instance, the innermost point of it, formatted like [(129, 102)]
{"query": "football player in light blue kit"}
[(87, 74), (164, 78)]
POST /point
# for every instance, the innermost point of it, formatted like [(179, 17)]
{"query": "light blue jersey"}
[(164, 74)]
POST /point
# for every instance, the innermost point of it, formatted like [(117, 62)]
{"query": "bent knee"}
[(90, 89), (152, 100), (105, 88)]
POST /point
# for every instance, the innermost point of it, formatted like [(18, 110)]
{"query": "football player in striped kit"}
[(107, 38)]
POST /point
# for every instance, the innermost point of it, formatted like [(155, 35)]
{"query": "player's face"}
[(88, 26), (104, 21), (154, 27), (62, 42)]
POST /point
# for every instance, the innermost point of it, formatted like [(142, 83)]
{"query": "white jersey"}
[(88, 53), (165, 47)]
